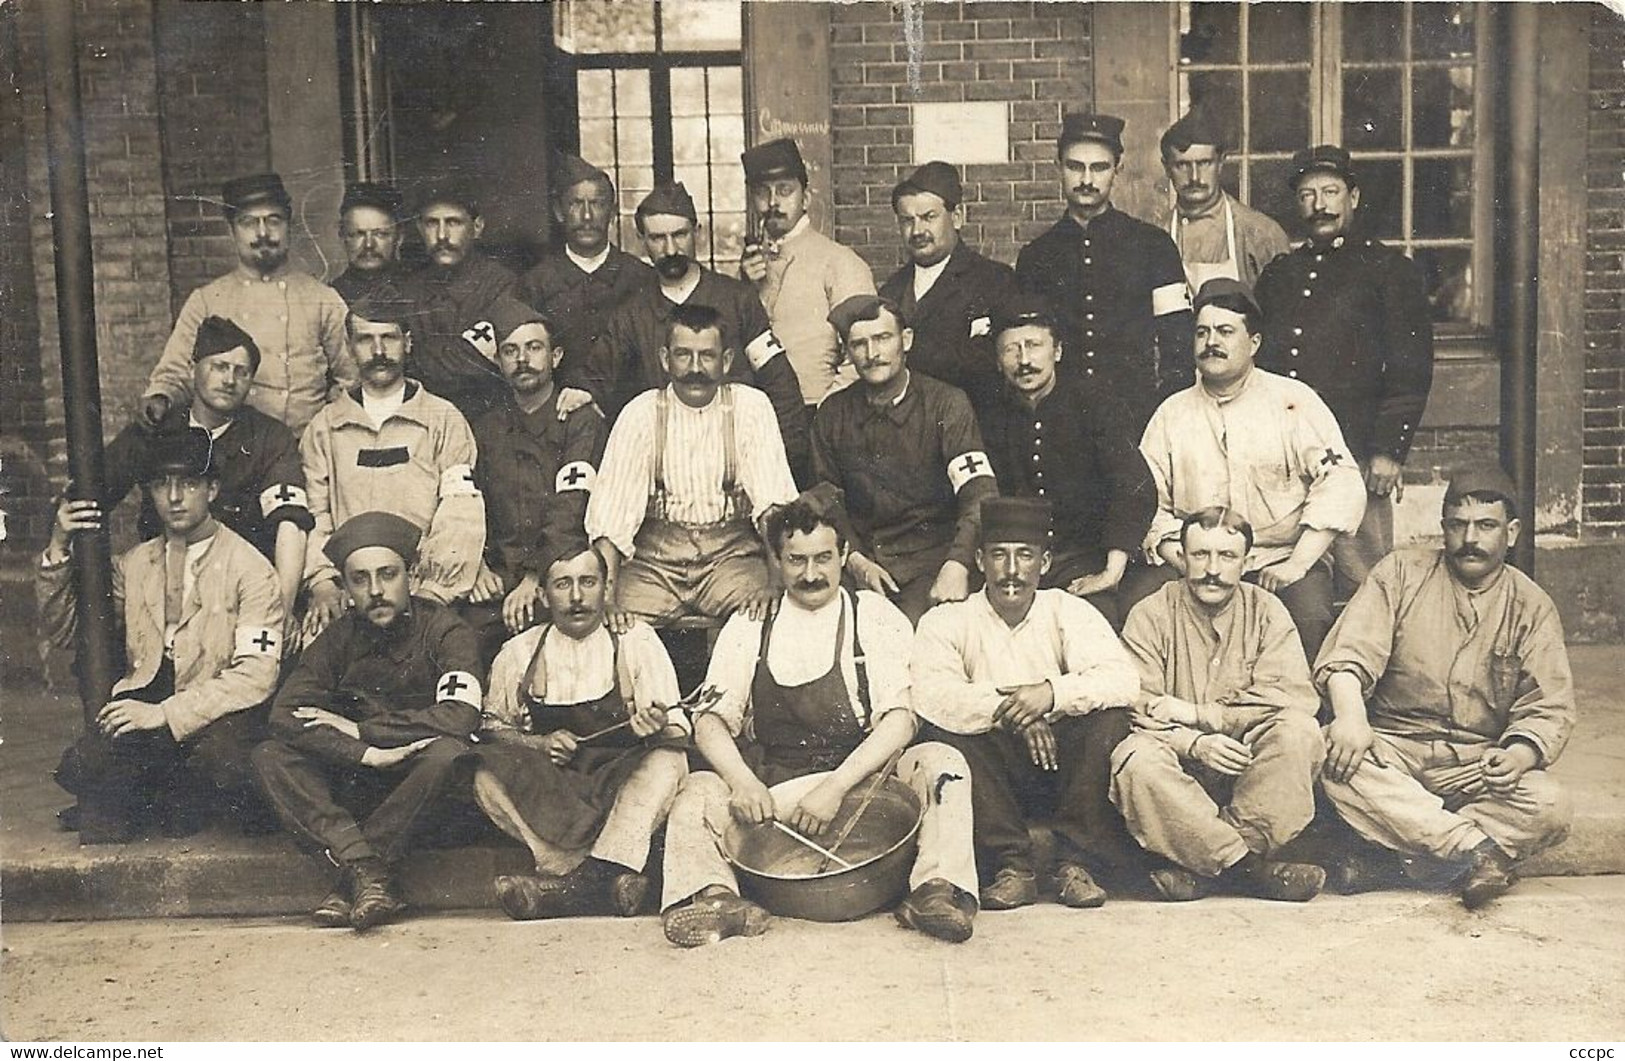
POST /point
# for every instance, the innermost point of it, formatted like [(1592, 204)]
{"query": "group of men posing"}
[(1055, 541)]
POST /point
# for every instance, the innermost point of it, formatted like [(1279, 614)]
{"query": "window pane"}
[(688, 141), (633, 183), (595, 93), (1279, 118), (1381, 211), (1442, 198), (1372, 116), (1442, 31), (1448, 273), (1373, 32), (1278, 33), (598, 141), (726, 89), (593, 27), (1212, 34), (727, 239), (635, 141), (700, 25), (727, 138), (1219, 94), (1271, 194), (728, 185), (1442, 107), (688, 90), (632, 93)]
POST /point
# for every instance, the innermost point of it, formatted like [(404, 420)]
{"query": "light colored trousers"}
[(1174, 814), (1402, 805), (640, 807), (937, 773)]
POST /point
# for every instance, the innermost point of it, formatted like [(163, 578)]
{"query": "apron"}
[(1199, 273), (807, 728)]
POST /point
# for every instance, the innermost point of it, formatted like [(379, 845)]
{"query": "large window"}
[(659, 96), (1402, 86)]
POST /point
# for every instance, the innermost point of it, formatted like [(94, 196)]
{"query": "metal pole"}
[(1522, 217), (81, 388)]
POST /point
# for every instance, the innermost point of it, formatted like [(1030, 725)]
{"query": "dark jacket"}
[(952, 324), (450, 322)]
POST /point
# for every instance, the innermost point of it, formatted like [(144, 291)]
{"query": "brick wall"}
[(1035, 56), (1602, 491)]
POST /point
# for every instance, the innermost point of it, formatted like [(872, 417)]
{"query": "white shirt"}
[(380, 408), (801, 650), (964, 653), (693, 464), (574, 672), (587, 265), (194, 555), (679, 295), (214, 432), (926, 275)]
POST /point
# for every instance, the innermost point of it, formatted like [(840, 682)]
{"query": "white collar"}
[(214, 432), (682, 294), (587, 265)]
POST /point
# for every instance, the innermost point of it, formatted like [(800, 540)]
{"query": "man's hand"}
[(871, 576), (122, 717), (753, 266), (1174, 710), (488, 586), (1347, 742), (1384, 474), (153, 410), (1503, 767), (1097, 583), (647, 721), (751, 802), (616, 618), (519, 606), (560, 746), (1277, 577), (384, 758), (326, 604), (1221, 754), (571, 399), (1023, 704), (817, 809), (1041, 745), (315, 716), (1173, 554), (759, 605), (72, 517), (952, 583)]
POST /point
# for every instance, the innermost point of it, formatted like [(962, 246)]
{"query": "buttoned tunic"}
[(580, 303), (953, 323), (808, 275)]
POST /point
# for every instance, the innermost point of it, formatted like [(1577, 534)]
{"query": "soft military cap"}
[(1196, 127), (938, 178), (856, 308), (188, 452), (1021, 309), (508, 315), (374, 528), (1482, 478), (571, 170), (216, 335), (1221, 287), (448, 193), (671, 199), (377, 196)]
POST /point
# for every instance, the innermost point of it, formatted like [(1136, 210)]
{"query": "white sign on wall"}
[(962, 133)]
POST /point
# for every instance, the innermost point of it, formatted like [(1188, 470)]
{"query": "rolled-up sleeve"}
[(1097, 671), (726, 692)]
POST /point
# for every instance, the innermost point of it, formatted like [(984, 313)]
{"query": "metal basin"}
[(783, 876)]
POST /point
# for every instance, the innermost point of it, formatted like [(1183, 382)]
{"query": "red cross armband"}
[(282, 495), (458, 685), (482, 336), (258, 641), (967, 466), (577, 475), (458, 480)]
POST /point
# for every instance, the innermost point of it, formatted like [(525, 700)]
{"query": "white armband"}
[(458, 480), (967, 466), (458, 685), (282, 495), (1170, 298), (257, 641), (483, 337), (577, 475), (762, 349)]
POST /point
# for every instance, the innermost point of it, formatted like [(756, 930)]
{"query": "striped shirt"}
[(694, 459)]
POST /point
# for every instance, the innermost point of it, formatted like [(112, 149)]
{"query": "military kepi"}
[(188, 452), (772, 160), (374, 528), (258, 189), (1322, 158), (1101, 128), (1016, 519), (1482, 478)]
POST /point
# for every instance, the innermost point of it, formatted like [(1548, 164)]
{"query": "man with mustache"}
[(1049, 436), (1116, 281), (583, 748), (799, 273), (1350, 317), (369, 225), (947, 290), (689, 472), (535, 472), (451, 294), (1033, 688), (580, 285), (1220, 770), (296, 321), (202, 623), (1451, 699), (389, 445), (1216, 233), (1261, 445), (381, 709), (256, 458), (821, 686), (629, 360), (906, 450)]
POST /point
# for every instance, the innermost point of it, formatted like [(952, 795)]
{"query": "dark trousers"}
[(1007, 790), (319, 800)]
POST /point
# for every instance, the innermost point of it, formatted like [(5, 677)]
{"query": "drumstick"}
[(604, 732), (863, 805), (828, 855)]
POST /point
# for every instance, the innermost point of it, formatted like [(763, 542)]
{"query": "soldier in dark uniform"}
[(381, 706), (627, 361), (947, 291), (369, 225), (579, 285), (1050, 436), (1349, 316), (906, 450), (535, 470), (1116, 282), (453, 343), (256, 458)]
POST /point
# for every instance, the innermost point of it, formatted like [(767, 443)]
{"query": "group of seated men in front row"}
[(908, 595)]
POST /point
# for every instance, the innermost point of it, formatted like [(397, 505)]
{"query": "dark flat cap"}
[(1481, 477), (571, 170), (671, 199), (257, 189), (1101, 128), (189, 451), (216, 335), (1323, 158), (1196, 127), (370, 529), (856, 308), (447, 193), (937, 178), (1222, 289), (772, 160), (1017, 519), (378, 196), (507, 315), (1021, 309)]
